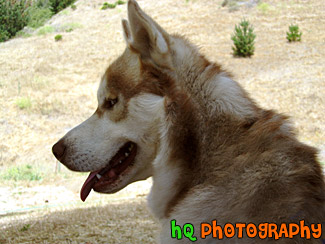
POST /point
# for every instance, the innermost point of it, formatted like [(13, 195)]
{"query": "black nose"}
[(58, 149)]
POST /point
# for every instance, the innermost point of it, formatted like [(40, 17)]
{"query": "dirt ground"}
[(81, 225), (61, 78)]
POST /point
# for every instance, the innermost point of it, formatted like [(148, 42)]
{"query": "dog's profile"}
[(165, 111)]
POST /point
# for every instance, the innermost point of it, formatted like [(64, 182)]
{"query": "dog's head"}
[(119, 142)]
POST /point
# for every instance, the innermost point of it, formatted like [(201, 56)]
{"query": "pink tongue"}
[(91, 181), (88, 185)]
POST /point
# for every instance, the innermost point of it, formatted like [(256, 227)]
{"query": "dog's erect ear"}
[(146, 37)]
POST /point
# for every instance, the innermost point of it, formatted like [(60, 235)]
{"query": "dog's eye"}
[(109, 103)]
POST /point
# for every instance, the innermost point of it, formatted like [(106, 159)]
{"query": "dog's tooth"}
[(130, 147), (120, 162), (98, 176), (126, 154)]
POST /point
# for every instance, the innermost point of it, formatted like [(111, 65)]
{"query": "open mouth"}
[(99, 179)]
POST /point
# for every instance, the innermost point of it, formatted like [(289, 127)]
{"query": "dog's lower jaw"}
[(125, 179), (113, 188)]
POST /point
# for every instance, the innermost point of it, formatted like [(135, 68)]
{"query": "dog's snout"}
[(59, 149)]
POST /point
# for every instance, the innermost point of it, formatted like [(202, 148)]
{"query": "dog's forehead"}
[(123, 74)]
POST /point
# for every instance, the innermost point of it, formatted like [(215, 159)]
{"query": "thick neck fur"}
[(212, 132), (209, 86), (199, 92)]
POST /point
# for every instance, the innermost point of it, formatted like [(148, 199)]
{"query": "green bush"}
[(58, 38), (108, 5), (120, 2), (24, 103), (38, 16), (243, 39), (13, 17), (294, 34), (57, 5)]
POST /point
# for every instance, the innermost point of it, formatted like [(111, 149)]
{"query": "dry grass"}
[(60, 80)]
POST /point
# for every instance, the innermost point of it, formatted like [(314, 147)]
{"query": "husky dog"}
[(166, 111)]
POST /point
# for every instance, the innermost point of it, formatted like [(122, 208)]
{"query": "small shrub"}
[(120, 2), (58, 5), (25, 227), (108, 5), (13, 17), (73, 7), (58, 38), (24, 103), (294, 34), (21, 172), (243, 39)]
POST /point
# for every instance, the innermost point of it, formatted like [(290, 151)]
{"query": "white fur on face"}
[(92, 144)]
